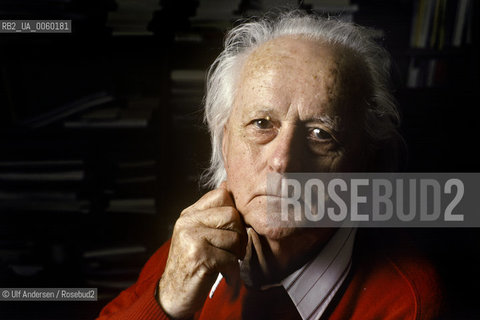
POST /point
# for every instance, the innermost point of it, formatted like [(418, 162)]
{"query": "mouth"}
[(269, 197), (264, 204), (272, 188)]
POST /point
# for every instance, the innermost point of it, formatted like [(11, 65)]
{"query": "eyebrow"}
[(332, 123), (262, 111)]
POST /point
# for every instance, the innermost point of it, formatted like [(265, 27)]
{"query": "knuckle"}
[(184, 234), (179, 226), (187, 211), (235, 238), (219, 263), (194, 255), (231, 213), (221, 194), (195, 252)]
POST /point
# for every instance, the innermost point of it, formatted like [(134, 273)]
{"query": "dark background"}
[(102, 141)]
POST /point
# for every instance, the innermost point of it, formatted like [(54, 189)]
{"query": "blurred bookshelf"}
[(83, 155), (434, 48)]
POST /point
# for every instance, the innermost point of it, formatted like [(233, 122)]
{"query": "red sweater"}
[(400, 286)]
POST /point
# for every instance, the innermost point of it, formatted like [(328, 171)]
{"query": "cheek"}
[(243, 155), (342, 162), (329, 163), (243, 168)]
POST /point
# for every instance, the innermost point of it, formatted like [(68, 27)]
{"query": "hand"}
[(208, 238)]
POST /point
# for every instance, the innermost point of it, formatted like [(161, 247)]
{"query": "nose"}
[(285, 151)]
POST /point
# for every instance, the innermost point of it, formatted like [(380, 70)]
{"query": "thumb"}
[(223, 185)]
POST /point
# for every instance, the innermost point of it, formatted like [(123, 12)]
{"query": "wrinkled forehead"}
[(288, 50), (330, 77)]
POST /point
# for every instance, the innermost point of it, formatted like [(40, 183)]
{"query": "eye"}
[(263, 123), (320, 134)]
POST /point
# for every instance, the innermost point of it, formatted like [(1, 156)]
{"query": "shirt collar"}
[(313, 286)]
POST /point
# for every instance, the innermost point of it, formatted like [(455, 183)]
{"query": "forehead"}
[(309, 55), (315, 77)]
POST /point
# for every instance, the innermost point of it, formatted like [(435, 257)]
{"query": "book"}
[(460, 22), (69, 109), (450, 16), (136, 206), (412, 74), (434, 35), (188, 76), (35, 196), (431, 77), (136, 115), (113, 251), (415, 24), (45, 206), (36, 164), (441, 40), (426, 23), (76, 175)]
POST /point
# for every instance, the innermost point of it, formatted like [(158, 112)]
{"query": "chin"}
[(271, 229), (266, 220), (276, 234)]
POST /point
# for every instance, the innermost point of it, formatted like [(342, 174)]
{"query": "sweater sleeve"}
[(138, 301)]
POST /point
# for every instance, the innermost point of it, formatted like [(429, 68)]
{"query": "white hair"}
[(382, 117)]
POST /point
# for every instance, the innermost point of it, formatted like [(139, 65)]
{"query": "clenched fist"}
[(209, 237)]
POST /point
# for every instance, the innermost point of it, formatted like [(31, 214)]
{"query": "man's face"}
[(298, 108)]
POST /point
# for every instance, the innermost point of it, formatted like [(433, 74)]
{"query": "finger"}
[(194, 285), (220, 227), (230, 269), (216, 198), (197, 224), (224, 218), (227, 240), (227, 218), (219, 260), (223, 185), (231, 273)]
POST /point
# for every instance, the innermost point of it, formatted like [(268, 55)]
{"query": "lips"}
[(267, 195), (272, 187)]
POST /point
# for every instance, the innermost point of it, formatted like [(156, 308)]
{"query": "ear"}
[(224, 144)]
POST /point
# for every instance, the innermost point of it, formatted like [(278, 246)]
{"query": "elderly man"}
[(289, 93)]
